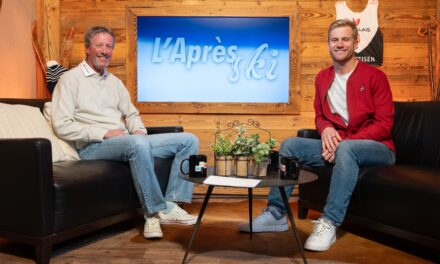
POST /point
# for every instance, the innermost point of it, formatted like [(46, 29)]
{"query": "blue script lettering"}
[(206, 50), (235, 70), (193, 56), (270, 73), (156, 58), (178, 51), (219, 52), (261, 63), (256, 63)]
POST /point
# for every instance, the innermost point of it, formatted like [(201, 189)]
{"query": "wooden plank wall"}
[(405, 54)]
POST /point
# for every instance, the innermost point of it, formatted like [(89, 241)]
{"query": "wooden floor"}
[(219, 241)]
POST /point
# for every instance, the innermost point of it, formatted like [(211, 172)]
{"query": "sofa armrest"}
[(308, 133), (164, 129), (26, 186)]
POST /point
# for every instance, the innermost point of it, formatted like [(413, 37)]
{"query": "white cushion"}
[(67, 147), (23, 121)]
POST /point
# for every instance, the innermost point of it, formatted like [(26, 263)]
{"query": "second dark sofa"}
[(402, 200), (43, 203)]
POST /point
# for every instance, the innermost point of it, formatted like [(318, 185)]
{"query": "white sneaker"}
[(152, 228), (265, 222), (177, 216), (322, 236)]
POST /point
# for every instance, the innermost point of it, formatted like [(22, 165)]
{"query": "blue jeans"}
[(139, 151), (349, 156)]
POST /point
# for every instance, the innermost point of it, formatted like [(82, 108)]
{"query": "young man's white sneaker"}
[(152, 228), (177, 216), (322, 236), (265, 222)]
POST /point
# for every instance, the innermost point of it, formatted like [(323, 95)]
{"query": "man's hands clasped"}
[(114, 133), (330, 140)]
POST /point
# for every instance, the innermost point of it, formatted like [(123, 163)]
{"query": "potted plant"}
[(260, 155), (242, 150), (222, 149)]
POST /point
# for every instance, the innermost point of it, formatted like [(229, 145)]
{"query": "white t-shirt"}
[(337, 96)]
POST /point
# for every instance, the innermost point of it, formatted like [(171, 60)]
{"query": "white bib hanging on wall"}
[(370, 48)]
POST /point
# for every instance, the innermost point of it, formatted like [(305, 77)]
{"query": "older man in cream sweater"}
[(92, 107)]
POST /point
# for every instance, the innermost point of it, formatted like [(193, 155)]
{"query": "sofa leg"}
[(302, 211), (42, 253)]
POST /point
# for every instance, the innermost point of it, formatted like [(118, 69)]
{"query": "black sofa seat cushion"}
[(77, 200), (76, 182), (383, 194), (389, 192)]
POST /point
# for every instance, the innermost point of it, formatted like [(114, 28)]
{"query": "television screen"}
[(212, 59)]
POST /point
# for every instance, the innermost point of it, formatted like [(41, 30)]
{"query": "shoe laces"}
[(322, 228), (178, 210), (153, 223)]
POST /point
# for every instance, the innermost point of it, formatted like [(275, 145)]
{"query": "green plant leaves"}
[(243, 145)]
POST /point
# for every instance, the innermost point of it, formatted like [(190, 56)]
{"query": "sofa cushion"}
[(88, 190), (399, 196), (68, 148), (415, 133), (402, 196), (23, 121)]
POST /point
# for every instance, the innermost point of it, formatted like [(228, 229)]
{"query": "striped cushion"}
[(23, 121)]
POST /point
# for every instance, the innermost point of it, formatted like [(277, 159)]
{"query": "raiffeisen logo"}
[(260, 64)]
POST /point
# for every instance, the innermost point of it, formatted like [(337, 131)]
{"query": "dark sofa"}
[(43, 203), (402, 200)]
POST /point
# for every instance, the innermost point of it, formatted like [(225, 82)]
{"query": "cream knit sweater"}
[(86, 105)]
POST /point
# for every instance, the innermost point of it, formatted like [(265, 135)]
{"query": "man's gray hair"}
[(96, 30), (344, 23)]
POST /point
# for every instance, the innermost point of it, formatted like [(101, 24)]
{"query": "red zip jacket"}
[(369, 103)]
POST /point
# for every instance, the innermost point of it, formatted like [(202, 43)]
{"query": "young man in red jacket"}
[(354, 116)]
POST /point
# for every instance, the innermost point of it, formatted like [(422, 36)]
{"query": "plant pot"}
[(224, 165), (241, 165), (259, 168)]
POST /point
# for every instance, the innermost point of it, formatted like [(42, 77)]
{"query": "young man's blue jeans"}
[(140, 151), (349, 156)]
